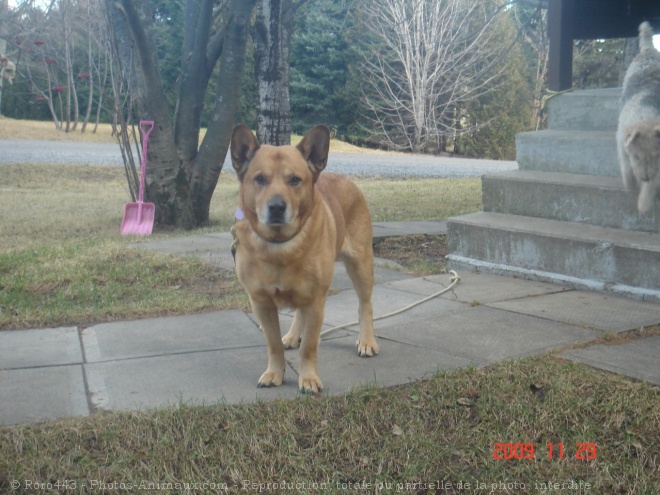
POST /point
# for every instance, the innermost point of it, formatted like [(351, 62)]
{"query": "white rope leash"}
[(454, 280)]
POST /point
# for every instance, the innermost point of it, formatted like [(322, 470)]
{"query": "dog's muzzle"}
[(277, 211)]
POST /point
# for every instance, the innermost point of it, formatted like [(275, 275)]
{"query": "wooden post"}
[(560, 31)]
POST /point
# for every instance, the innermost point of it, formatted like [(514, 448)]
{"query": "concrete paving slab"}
[(286, 319), (36, 394), (170, 335), (213, 248), (341, 280), (485, 288), (181, 245), (343, 307), (476, 287), (423, 286), (341, 369), (485, 335), (39, 347), (588, 309), (198, 378), (638, 359)]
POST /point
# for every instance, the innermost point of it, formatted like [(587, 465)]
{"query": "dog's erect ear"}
[(242, 149), (631, 136), (315, 147)]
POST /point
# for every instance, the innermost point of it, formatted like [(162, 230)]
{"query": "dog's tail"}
[(645, 37)]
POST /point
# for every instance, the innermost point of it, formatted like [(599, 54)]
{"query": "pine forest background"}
[(344, 65)]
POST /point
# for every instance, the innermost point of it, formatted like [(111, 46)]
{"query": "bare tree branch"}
[(428, 59)]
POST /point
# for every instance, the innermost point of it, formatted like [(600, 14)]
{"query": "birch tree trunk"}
[(272, 43), (4, 11), (90, 69)]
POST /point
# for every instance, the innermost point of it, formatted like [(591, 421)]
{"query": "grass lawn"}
[(62, 262), (463, 427)]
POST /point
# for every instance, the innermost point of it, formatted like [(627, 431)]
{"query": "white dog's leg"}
[(629, 180), (646, 196)]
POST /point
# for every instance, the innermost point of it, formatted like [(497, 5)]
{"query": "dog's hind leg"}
[(361, 271), (292, 339)]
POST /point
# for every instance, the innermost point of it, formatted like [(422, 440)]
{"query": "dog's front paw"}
[(310, 384), (291, 340), (367, 348), (271, 379)]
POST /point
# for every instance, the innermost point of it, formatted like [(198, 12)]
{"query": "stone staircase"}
[(564, 216)]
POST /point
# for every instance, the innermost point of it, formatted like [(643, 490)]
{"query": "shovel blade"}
[(138, 219)]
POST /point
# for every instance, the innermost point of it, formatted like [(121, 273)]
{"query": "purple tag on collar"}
[(239, 215)]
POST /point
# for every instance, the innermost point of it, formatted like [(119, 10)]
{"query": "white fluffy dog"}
[(638, 134)]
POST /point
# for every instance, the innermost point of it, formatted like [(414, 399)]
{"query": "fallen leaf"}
[(397, 430)]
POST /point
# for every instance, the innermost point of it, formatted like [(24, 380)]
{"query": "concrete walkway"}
[(215, 357)]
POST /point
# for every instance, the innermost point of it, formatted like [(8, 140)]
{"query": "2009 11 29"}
[(584, 451)]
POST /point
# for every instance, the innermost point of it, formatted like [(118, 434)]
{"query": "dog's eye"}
[(260, 180), (295, 181)]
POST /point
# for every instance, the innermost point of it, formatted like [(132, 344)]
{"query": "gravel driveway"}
[(395, 165)]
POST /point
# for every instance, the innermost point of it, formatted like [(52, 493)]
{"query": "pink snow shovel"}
[(139, 217)]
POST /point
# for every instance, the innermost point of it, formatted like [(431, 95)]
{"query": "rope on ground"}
[(454, 280)]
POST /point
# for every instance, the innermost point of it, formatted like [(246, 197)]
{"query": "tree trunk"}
[(181, 178), (272, 42), (213, 150), (167, 176), (4, 12), (194, 77), (90, 69)]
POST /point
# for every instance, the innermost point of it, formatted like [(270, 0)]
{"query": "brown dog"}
[(292, 224)]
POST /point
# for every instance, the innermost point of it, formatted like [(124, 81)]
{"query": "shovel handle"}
[(146, 126)]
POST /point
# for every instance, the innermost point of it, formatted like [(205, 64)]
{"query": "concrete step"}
[(585, 110), (588, 199), (576, 152), (578, 255)]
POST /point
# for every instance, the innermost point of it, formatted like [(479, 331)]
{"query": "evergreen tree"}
[(499, 114), (168, 19), (320, 57)]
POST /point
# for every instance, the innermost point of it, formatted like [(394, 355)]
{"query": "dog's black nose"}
[(276, 209)]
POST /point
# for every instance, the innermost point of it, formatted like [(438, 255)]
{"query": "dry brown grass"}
[(51, 203), (397, 440), (46, 130), (59, 262)]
